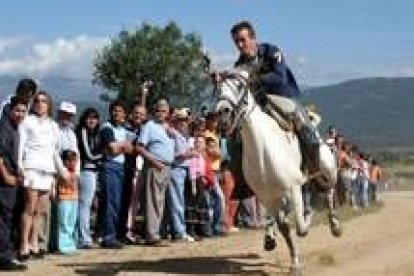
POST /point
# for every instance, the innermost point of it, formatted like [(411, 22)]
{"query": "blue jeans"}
[(363, 191), (67, 214), (112, 181), (215, 201), (175, 197), (86, 193)]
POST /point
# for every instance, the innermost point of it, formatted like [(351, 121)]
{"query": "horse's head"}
[(232, 96)]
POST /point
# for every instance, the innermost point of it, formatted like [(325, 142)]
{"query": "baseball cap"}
[(67, 107)]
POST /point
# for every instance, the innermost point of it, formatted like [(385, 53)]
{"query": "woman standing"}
[(87, 136), (37, 160)]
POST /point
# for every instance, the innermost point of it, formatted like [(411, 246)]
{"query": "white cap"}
[(68, 107)]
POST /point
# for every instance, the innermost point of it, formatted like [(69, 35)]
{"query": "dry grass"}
[(401, 177), (346, 213)]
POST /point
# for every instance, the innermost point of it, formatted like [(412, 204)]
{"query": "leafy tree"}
[(171, 59)]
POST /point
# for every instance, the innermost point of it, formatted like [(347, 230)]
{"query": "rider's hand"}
[(254, 82)]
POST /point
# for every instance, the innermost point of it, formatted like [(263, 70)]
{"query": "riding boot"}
[(310, 143), (309, 139)]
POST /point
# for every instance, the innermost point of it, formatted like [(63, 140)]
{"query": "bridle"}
[(239, 107)]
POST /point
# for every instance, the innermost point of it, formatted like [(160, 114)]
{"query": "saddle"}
[(288, 124), (285, 122)]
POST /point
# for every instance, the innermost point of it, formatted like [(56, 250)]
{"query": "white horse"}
[(271, 160)]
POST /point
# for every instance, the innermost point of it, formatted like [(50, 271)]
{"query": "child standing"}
[(215, 193), (67, 192), (201, 178)]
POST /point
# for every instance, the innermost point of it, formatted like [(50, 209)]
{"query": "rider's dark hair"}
[(243, 25)]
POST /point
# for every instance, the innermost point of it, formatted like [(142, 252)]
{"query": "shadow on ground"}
[(242, 264)]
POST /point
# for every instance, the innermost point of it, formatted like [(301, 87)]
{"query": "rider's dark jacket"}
[(275, 76)]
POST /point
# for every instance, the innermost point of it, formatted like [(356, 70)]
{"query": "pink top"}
[(197, 167)]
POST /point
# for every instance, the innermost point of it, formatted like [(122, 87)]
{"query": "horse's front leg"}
[(303, 219), (333, 219), (284, 228)]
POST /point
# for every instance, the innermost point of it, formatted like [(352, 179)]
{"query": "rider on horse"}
[(275, 88)]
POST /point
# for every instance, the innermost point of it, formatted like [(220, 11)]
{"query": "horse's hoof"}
[(335, 226), (336, 231), (301, 234), (269, 243), (296, 271)]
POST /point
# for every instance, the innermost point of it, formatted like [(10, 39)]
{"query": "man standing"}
[(9, 179), (175, 192), (276, 86), (114, 143), (132, 205), (157, 148), (67, 136)]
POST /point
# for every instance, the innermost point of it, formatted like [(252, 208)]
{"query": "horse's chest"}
[(264, 183)]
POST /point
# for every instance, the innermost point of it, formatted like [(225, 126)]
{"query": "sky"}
[(324, 41)]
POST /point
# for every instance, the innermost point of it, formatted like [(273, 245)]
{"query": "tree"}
[(173, 60)]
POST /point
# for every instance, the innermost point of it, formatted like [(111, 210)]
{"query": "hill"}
[(373, 112)]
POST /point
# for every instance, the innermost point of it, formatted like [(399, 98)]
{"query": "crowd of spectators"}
[(146, 176)]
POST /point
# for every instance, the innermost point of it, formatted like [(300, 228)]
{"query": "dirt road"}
[(374, 244)]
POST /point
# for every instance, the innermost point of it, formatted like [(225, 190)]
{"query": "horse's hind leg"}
[(284, 228), (333, 219)]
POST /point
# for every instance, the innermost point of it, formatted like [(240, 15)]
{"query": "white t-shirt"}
[(39, 144), (67, 141)]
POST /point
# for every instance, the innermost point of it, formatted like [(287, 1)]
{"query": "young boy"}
[(67, 192)]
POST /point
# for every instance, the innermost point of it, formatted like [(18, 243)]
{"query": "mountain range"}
[(374, 113)]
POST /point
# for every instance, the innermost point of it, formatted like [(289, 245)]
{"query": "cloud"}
[(10, 42), (72, 57), (63, 56)]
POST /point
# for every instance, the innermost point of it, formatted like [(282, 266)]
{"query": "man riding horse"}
[(275, 88)]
